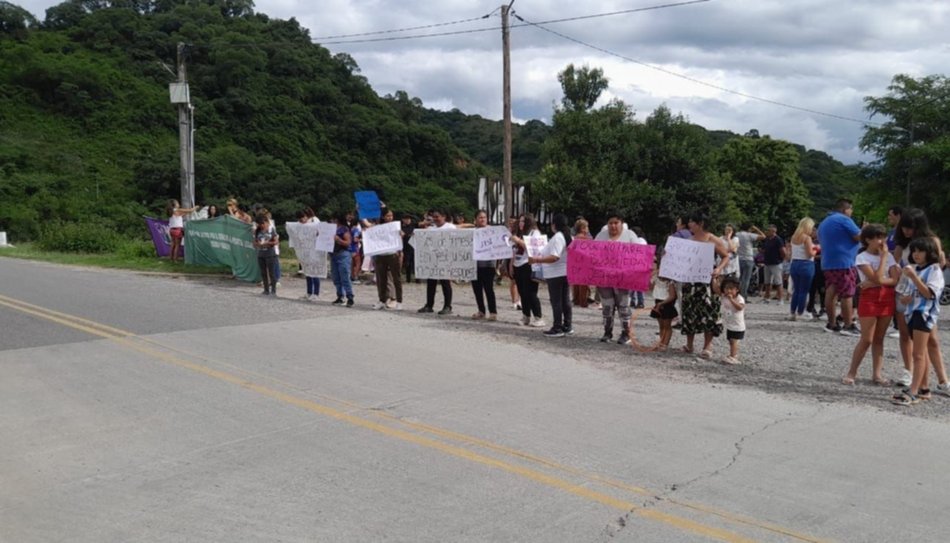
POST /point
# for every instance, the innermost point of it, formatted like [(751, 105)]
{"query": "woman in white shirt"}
[(802, 271), (527, 287), (553, 262), (176, 226)]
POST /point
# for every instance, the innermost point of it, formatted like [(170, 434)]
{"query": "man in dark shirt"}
[(773, 248)]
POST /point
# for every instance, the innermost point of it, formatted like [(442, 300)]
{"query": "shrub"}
[(71, 237), (136, 248)]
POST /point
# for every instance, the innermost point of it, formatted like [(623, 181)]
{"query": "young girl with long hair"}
[(878, 273)]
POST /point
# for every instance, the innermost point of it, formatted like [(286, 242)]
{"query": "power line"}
[(694, 80), (376, 32), (437, 34)]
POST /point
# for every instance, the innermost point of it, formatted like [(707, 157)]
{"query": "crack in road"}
[(614, 528)]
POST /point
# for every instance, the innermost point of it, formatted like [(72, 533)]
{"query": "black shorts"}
[(666, 312), (917, 322), (732, 334)]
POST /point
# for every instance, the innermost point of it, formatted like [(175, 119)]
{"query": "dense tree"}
[(582, 87), (912, 145)]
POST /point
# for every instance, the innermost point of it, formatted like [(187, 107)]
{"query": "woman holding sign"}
[(387, 269), (553, 262), (485, 279), (527, 287), (700, 300), (616, 298)]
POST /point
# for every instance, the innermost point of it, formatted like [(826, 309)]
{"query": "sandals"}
[(478, 316), (882, 382), (847, 381), (706, 354), (905, 399), (686, 350)]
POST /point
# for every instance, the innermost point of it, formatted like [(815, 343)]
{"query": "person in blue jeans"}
[(803, 267), (341, 262)]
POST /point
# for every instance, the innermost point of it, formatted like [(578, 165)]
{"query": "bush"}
[(136, 248), (78, 238)]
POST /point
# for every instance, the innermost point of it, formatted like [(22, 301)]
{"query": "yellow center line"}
[(128, 340)]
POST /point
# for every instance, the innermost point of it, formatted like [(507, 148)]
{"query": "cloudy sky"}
[(819, 55)]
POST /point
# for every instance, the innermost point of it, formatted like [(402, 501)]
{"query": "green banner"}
[(223, 241)]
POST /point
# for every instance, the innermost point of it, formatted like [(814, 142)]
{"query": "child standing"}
[(921, 314), (664, 309), (733, 317), (878, 274), (265, 241)]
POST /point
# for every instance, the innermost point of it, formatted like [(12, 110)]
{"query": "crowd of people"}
[(892, 278)]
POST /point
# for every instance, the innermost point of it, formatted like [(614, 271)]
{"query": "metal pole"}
[(506, 46), (184, 138)]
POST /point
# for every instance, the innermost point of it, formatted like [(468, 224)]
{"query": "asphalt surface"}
[(143, 408)]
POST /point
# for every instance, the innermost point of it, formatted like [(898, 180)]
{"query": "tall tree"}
[(582, 87), (912, 146)]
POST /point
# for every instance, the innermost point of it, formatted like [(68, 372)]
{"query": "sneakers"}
[(447, 310), (538, 322), (943, 388), (834, 329), (606, 337), (338, 301), (398, 306), (379, 305), (624, 338), (526, 320), (265, 293), (765, 300), (791, 318), (425, 309), (894, 334), (906, 378), (568, 331), (851, 330), (554, 332), (313, 297), (349, 302), (807, 317), (492, 317)]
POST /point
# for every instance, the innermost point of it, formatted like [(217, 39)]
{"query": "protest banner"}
[(491, 243), (303, 239), (382, 239), (610, 264), (158, 229), (368, 205), (326, 231), (223, 241), (535, 245), (687, 261), (444, 254)]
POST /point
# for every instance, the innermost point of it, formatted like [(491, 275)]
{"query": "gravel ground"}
[(779, 357)]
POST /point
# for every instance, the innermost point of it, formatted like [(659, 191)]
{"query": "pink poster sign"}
[(610, 264)]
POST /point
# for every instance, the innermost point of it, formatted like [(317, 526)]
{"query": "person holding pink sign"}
[(616, 299)]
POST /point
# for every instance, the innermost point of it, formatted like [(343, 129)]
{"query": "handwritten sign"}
[(687, 261), (491, 243), (535, 244), (303, 238), (368, 205), (444, 254), (382, 239), (610, 264), (326, 231)]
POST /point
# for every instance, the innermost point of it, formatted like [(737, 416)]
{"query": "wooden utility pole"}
[(185, 135), (506, 46)]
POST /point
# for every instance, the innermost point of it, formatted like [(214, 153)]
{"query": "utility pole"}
[(506, 100), (180, 95)]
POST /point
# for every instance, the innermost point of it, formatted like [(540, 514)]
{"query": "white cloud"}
[(815, 54)]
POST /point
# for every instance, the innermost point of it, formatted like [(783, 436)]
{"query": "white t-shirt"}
[(732, 318), (555, 247), (865, 257), (521, 259), (626, 236), (445, 226)]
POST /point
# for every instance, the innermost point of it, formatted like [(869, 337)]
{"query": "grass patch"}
[(128, 256)]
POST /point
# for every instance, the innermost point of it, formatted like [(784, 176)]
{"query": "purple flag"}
[(158, 228)]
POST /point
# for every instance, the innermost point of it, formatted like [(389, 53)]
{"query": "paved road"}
[(137, 408)]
